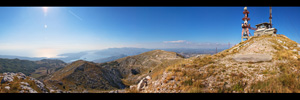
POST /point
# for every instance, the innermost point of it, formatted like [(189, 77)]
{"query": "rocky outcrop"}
[(162, 85), (21, 76), (8, 77), (21, 81), (40, 85), (143, 83), (261, 64), (26, 88)]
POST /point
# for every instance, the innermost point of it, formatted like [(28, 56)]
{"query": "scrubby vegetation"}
[(82, 75), (15, 85), (170, 72), (30, 67), (220, 73), (287, 81)]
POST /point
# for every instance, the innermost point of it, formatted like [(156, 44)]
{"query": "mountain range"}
[(110, 54), (82, 75), (31, 68), (261, 64)]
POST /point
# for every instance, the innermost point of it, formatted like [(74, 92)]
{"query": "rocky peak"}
[(268, 63)]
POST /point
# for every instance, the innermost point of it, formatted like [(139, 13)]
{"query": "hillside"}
[(268, 63), (264, 64), (108, 59), (110, 54), (20, 83), (32, 68), (81, 76), (134, 68)]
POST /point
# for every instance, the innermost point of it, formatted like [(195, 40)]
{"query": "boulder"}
[(7, 87), (143, 83), (24, 83), (32, 91), (148, 77), (21, 76), (85, 91), (111, 92), (59, 91), (295, 50), (132, 87), (52, 91), (22, 91), (285, 47)]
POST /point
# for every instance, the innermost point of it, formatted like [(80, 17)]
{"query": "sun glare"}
[(49, 53), (45, 9)]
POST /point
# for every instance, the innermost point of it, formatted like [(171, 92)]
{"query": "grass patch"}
[(238, 87)]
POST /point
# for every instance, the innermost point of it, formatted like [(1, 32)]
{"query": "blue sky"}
[(46, 32)]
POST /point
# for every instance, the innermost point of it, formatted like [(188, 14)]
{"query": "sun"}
[(45, 9)]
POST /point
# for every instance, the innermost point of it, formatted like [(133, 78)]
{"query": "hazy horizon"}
[(21, 54)]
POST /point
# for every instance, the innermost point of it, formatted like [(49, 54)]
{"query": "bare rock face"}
[(252, 57)]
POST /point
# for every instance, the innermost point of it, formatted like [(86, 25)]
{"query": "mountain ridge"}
[(29, 68), (117, 74), (224, 72)]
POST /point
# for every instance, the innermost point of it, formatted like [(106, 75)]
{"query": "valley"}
[(264, 64)]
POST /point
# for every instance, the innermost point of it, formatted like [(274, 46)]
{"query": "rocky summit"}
[(263, 64)]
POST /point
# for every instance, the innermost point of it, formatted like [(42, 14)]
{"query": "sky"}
[(49, 31)]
